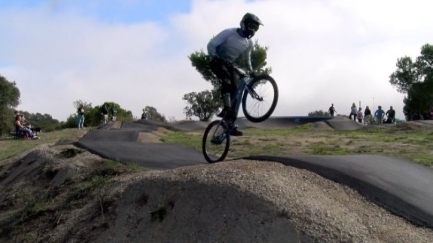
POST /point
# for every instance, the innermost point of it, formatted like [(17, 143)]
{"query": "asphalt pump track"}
[(401, 186)]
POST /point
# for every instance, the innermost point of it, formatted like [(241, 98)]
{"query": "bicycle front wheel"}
[(260, 100), (216, 142)]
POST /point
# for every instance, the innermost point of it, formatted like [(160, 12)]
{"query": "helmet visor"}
[(252, 26)]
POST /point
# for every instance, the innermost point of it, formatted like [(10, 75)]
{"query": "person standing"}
[(379, 114), (104, 112), (367, 116), (113, 112), (80, 116), (353, 112), (332, 110), (390, 114), (359, 115)]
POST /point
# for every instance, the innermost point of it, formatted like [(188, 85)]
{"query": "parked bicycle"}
[(259, 97)]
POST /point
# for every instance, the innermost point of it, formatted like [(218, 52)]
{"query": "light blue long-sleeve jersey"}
[(229, 45)]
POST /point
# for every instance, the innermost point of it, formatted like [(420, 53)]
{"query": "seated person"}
[(20, 128), (26, 124)]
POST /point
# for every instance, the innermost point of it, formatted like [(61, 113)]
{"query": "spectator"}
[(80, 116), (379, 114), (359, 115), (113, 112), (104, 112), (367, 116), (332, 110), (417, 116), (20, 128), (144, 115), (26, 124), (390, 114), (353, 112)]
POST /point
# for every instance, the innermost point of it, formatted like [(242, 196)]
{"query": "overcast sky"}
[(135, 52)]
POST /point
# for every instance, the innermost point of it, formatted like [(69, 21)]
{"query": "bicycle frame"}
[(245, 79), (236, 103), (249, 94)]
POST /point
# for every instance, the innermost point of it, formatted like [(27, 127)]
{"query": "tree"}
[(153, 114), (9, 99), (416, 80), (201, 62), (319, 113), (202, 105)]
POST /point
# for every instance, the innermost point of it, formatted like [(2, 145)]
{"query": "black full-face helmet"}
[(250, 24)]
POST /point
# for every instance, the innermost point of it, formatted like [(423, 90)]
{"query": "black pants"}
[(228, 76)]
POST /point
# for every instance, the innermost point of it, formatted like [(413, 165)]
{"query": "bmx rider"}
[(226, 47)]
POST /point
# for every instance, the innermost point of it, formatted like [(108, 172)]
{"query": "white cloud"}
[(321, 52)]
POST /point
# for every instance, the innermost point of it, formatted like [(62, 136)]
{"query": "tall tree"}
[(9, 99), (201, 61), (416, 80), (202, 105), (154, 115)]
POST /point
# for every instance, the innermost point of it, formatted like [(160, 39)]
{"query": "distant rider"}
[(225, 48)]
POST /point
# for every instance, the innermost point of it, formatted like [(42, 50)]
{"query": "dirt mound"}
[(321, 126), (63, 194), (152, 137)]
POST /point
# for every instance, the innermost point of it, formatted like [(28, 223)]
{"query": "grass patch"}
[(424, 159), (70, 152), (191, 140), (10, 147), (306, 140), (129, 167), (88, 187)]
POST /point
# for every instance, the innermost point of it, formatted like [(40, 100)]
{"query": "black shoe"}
[(235, 132), (223, 112)]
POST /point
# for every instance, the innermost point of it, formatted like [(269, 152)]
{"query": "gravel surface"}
[(251, 201)]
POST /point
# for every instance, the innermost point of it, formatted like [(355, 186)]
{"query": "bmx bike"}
[(259, 97)]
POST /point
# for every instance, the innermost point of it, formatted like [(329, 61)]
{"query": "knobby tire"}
[(247, 98)]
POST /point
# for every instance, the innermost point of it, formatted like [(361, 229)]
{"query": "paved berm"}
[(180, 198)]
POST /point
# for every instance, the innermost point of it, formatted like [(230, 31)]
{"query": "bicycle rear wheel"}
[(259, 102), (216, 142)]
